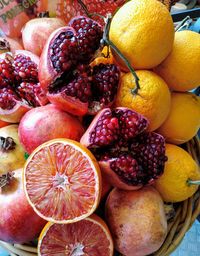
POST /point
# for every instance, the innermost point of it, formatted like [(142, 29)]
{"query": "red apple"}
[(18, 222)]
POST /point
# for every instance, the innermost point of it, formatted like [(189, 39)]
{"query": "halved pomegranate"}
[(129, 156), (19, 86), (65, 74)]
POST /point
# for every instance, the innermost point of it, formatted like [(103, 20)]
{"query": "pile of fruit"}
[(94, 114)]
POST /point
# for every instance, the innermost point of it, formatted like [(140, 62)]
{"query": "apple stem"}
[(7, 144), (5, 179), (193, 182), (108, 42)]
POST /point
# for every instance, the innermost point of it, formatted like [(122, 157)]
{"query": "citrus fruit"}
[(183, 120), (153, 98), (62, 181), (141, 35), (104, 57), (181, 68), (180, 169), (89, 237)]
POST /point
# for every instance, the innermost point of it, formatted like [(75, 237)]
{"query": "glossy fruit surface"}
[(45, 123), (18, 222), (62, 181)]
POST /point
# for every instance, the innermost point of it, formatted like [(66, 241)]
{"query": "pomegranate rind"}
[(93, 164), (114, 179), (47, 73), (15, 114), (69, 104), (94, 219)]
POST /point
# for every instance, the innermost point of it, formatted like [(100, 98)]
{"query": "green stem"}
[(193, 182), (87, 12), (107, 41)]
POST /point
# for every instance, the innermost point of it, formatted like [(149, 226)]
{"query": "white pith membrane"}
[(61, 182), (86, 237)]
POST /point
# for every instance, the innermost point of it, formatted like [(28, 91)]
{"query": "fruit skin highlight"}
[(180, 69), (183, 121), (152, 101), (136, 220), (133, 32), (46, 123), (179, 168)]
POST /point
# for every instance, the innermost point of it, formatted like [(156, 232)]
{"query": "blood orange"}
[(89, 237), (62, 181)]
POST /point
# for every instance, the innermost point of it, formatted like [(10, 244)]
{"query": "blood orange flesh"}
[(89, 237), (62, 181)]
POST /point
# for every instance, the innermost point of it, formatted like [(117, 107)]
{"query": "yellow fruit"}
[(179, 169), (181, 69), (144, 32), (183, 120), (153, 98), (105, 57), (13, 158)]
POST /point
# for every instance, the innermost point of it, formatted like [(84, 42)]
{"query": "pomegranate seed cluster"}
[(120, 141)]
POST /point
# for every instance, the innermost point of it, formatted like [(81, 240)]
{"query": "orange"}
[(143, 31), (62, 181), (90, 237), (181, 69), (105, 57), (183, 120), (153, 98), (180, 168)]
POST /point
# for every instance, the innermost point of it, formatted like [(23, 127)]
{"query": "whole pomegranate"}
[(8, 44), (19, 86), (11, 151), (136, 220), (64, 71), (36, 32), (129, 156), (45, 123), (18, 221)]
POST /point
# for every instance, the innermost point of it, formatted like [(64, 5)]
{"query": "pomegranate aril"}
[(149, 150), (7, 98), (25, 69), (106, 131), (105, 83), (6, 72), (131, 123), (89, 34), (63, 51)]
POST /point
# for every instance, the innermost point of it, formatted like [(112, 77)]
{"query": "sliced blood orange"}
[(62, 181), (88, 237)]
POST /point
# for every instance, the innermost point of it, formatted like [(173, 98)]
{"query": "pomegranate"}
[(18, 221), (36, 32), (45, 123), (129, 156), (19, 86), (11, 151), (136, 220), (9, 45), (65, 74)]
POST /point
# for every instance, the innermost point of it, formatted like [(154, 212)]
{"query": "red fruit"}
[(88, 34), (18, 222), (36, 32), (9, 45), (19, 82), (68, 9), (129, 157), (42, 124)]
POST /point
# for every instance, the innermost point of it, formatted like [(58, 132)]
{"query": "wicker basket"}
[(186, 211)]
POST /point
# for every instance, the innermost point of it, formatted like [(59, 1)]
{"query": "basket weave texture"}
[(186, 211)]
